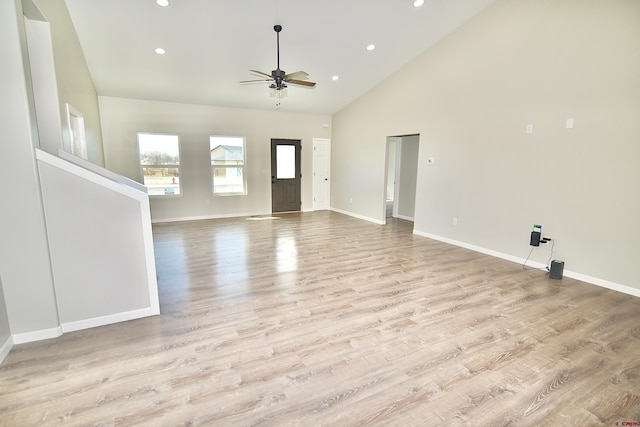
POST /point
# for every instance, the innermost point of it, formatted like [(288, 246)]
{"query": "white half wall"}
[(101, 246)]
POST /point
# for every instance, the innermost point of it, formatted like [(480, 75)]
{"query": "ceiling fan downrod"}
[(277, 29), (278, 75)]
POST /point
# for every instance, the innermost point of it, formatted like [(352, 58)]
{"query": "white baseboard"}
[(201, 217), (107, 320), (45, 334), (6, 348), (406, 218), (365, 218), (572, 274), (39, 335), (603, 283)]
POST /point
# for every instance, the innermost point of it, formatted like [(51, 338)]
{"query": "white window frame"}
[(153, 191), (242, 166), (77, 136)]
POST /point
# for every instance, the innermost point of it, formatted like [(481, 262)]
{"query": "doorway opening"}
[(401, 176)]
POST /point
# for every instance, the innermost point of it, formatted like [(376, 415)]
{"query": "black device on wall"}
[(536, 235)]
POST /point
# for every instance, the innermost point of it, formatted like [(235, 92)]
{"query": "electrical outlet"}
[(454, 221)]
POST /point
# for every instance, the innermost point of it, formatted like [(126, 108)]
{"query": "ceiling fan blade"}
[(301, 83), (256, 81), (297, 75), (260, 73)]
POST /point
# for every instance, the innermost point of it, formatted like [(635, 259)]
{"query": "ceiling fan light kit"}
[(278, 78)]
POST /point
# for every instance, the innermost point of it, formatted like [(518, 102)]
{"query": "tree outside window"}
[(160, 163)]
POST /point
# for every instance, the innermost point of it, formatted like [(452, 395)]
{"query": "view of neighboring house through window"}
[(227, 165), (160, 163)]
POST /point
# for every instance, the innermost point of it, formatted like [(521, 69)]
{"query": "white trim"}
[(603, 283), (149, 255), (355, 215), (201, 217), (101, 171), (71, 111), (406, 218), (107, 320), (6, 348), (96, 175), (42, 334), (572, 274), (396, 179)]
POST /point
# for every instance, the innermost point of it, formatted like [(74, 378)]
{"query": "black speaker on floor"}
[(557, 267)]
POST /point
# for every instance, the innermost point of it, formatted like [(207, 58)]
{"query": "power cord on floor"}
[(548, 266)]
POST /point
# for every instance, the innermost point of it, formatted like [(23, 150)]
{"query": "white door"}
[(321, 174)]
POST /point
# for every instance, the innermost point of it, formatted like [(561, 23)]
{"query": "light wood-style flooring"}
[(320, 319)]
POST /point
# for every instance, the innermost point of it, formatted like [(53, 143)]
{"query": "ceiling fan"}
[(279, 78)]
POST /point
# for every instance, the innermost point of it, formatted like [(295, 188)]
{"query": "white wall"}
[(123, 118), (101, 246), (470, 99), (6, 341), (74, 83), (392, 158), (408, 176), (24, 256)]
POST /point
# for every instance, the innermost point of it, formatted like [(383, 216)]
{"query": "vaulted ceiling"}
[(210, 45)]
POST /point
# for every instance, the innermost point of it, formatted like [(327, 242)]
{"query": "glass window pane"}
[(227, 161), (161, 181), (159, 149), (160, 163), (228, 180), (226, 150), (286, 161)]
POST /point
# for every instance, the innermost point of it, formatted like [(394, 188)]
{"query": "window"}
[(227, 165), (160, 163), (77, 144)]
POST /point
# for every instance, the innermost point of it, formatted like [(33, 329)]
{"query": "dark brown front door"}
[(285, 175)]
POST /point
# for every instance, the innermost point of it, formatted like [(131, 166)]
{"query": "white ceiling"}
[(212, 44)]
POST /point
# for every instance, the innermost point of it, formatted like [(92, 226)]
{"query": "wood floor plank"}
[(322, 319)]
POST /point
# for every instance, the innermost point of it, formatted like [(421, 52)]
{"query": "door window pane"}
[(286, 161)]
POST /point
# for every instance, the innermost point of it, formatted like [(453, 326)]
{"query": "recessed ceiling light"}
[(371, 47), (418, 3), (160, 51), (162, 3), (334, 78)]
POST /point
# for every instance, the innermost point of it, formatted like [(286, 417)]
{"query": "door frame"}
[(397, 180), (397, 140), (328, 178), (297, 143)]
